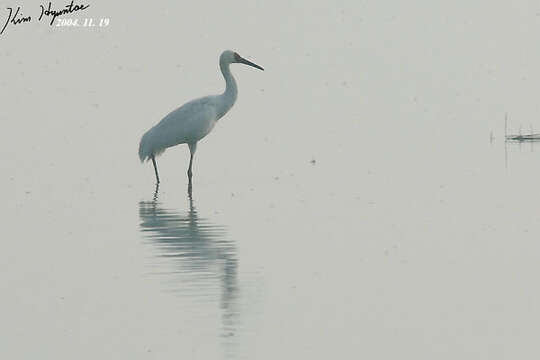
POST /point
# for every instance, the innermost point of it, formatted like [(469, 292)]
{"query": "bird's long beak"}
[(247, 62)]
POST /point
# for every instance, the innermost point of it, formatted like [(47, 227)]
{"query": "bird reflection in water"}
[(205, 261)]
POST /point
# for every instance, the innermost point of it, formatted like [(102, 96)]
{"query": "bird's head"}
[(230, 57)]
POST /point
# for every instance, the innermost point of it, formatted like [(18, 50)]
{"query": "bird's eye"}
[(236, 56)]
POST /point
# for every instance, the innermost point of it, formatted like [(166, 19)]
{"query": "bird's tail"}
[(148, 146), (144, 151)]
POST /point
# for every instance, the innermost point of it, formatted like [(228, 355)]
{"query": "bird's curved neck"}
[(228, 98)]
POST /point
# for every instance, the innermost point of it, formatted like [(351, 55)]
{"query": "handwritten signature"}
[(17, 17)]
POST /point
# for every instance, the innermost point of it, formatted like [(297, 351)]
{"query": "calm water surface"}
[(350, 205)]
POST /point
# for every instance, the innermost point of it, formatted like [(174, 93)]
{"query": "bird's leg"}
[(155, 169), (156, 192), (189, 172), (192, 148)]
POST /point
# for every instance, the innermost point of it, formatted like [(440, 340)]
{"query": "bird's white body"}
[(194, 120), (187, 124)]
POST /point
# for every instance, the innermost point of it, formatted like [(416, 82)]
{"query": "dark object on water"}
[(531, 137), (520, 138)]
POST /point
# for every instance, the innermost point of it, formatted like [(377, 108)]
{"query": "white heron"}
[(194, 120)]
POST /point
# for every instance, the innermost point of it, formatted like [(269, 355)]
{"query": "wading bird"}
[(194, 120)]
